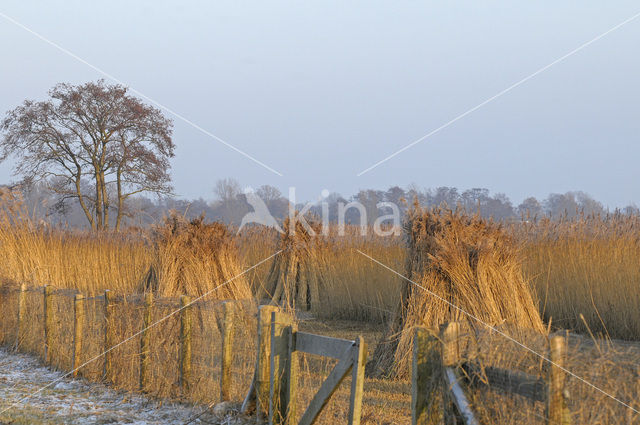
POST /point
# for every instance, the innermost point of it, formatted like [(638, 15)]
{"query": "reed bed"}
[(586, 272), (350, 286), (37, 254), (583, 275)]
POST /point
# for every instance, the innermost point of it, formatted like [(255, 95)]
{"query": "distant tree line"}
[(229, 204), (91, 155)]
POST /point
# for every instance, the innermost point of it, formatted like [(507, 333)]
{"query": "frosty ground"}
[(71, 401)]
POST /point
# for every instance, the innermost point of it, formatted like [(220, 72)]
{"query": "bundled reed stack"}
[(194, 257), (296, 276), (463, 261)]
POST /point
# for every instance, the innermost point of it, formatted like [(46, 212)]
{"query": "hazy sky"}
[(320, 91)]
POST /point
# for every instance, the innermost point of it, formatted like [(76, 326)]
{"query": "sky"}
[(320, 91)]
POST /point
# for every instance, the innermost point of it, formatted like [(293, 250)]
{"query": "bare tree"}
[(227, 189), (93, 143), (530, 208), (231, 204)]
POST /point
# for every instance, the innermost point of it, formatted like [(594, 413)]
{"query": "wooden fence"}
[(273, 391), (272, 394), (49, 321), (442, 355)]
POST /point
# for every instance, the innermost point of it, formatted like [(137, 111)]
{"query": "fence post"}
[(78, 327), (22, 307), (357, 381), (423, 410), (185, 342), (449, 334), (145, 337), (557, 409), (284, 370), (263, 362), (48, 320), (227, 350), (107, 372)]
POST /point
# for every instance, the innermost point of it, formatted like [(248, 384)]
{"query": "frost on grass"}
[(70, 401)]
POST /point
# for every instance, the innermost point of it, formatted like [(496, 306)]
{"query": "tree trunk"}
[(86, 211), (98, 183), (120, 199), (105, 202)]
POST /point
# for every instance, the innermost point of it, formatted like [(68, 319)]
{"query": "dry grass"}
[(585, 267), (39, 255), (296, 276), (587, 405), (457, 260), (195, 258), (470, 262), (347, 284)]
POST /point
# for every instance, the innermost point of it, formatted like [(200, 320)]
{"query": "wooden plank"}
[(293, 361), (425, 366), (78, 328), (283, 373), (327, 389), (509, 381), (459, 398), (557, 409), (263, 363), (22, 308), (107, 369), (145, 342), (449, 335), (357, 381), (227, 350), (322, 345), (48, 322), (185, 343)]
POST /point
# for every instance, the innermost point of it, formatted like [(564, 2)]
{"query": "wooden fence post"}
[(185, 342), (107, 372), (425, 363), (48, 321), (227, 350), (449, 334), (284, 370), (258, 396), (263, 363), (357, 381), (78, 328), (22, 307), (557, 409), (145, 337)]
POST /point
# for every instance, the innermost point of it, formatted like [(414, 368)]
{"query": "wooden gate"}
[(286, 344)]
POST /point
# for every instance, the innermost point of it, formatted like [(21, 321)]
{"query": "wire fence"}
[(505, 383), (37, 320), (611, 368)]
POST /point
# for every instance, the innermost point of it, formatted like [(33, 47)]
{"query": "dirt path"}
[(78, 402)]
